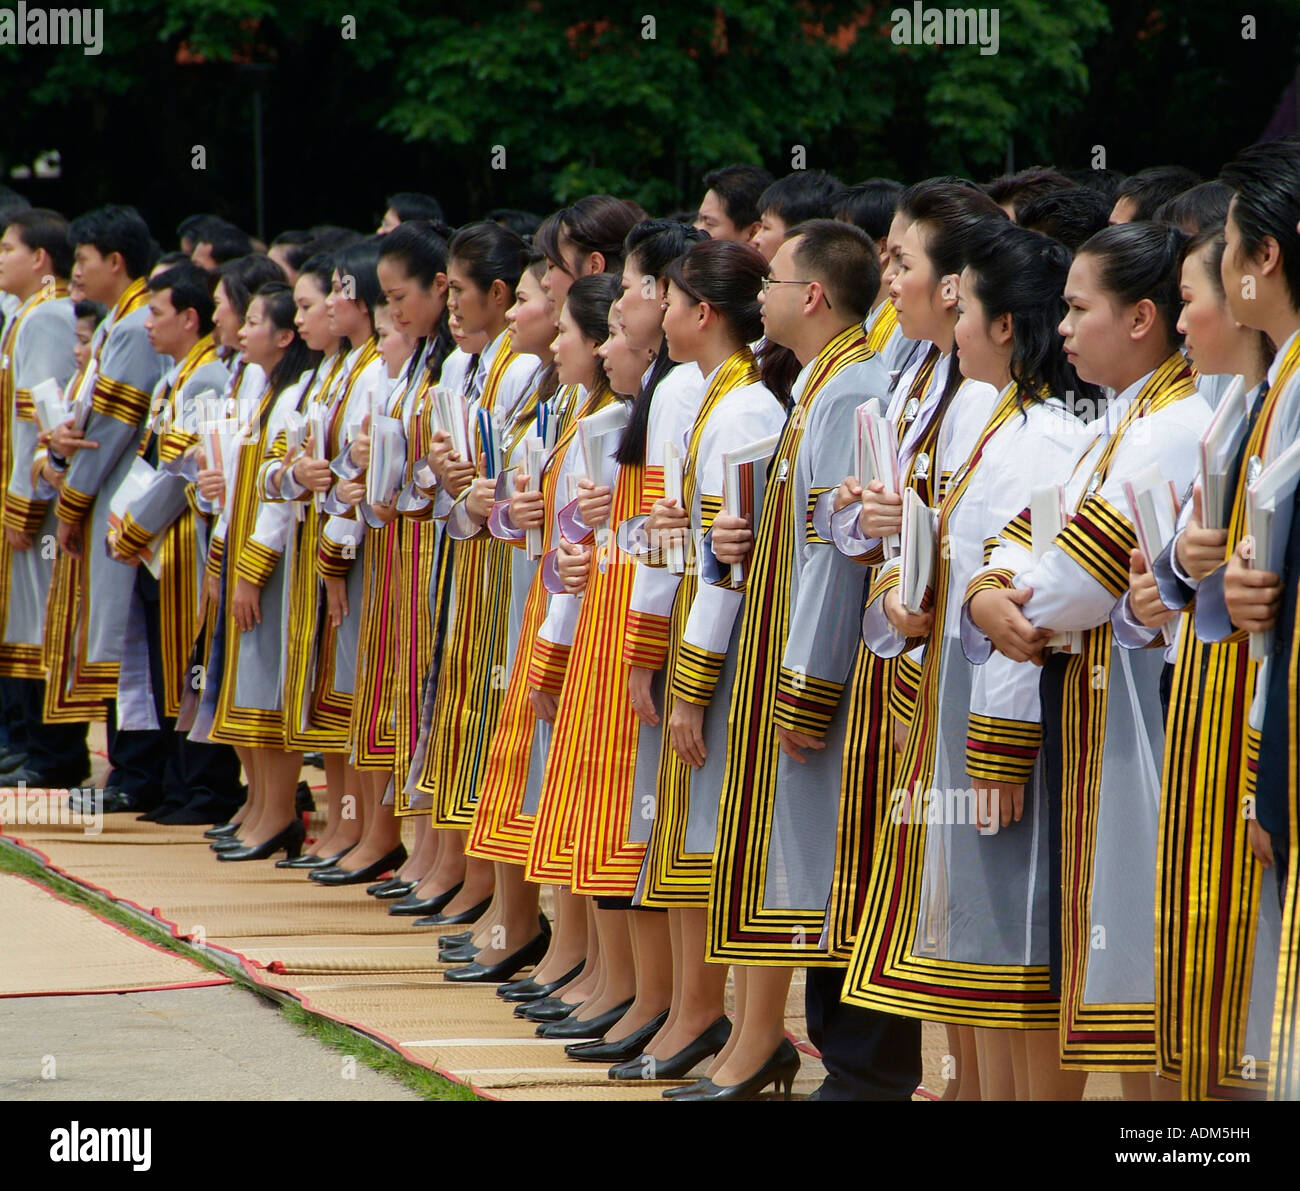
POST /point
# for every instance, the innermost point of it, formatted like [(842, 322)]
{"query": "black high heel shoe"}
[(224, 831), (462, 953), (315, 861), (227, 843), (546, 1010), (592, 1027), (456, 940), (530, 990), (394, 887), (475, 972), (473, 914), (676, 1066), (625, 1049), (342, 876), (290, 839), (779, 1071), (416, 907)]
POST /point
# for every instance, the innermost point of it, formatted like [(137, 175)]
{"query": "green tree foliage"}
[(363, 96)]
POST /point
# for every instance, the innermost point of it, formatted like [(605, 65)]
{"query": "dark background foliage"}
[(579, 98)]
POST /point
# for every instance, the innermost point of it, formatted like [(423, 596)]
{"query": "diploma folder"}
[(599, 435), (1269, 504), (877, 456), (917, 551), (1219, 447), (1048, 516), (744, 483), (1154, 506)]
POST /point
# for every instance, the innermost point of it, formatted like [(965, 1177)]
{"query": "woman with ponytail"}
[(931, 229), (957, 905), (249, 699), (712, 316), (1102, 731), (484, 265), (320, 666)]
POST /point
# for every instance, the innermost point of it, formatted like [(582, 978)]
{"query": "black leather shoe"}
[(683, 1088), (593, 1027), (462, 953), (119, 802), (473, 914), (13, 759), (537, 992), (290, 839), (315, 760), (157, 813), (394, 887), (341, 876), (315, 861), (779, 1071), (229, 844), (530, 953), (418, 906), (222, 831), (546, 1010), (460, 937), (600, 1051), (676, 1066)]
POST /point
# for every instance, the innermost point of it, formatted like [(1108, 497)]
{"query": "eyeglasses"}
[(769, 282)]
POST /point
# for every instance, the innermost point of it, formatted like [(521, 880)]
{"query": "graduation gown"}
[(84, 637), (37, 345), (1109, 725), (775, 848), (701, 637), (955, 921)]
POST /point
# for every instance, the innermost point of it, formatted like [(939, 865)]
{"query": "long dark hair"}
[(1265, 180), (1140, 260), (596, 223), (245, 275), (728, 277), (587, 305), (549, 381), (1212, 240), (489, 252), (277, 301), (422, 251), (357, 262), (1022, 273), (952, 214)]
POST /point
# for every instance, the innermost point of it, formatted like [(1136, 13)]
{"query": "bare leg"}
[(741, 975), (652, 958), (1047, 1080), (618, 981), (568, 938), (478, 882), (253, 807), (245, 756), (279, 780), (449, 870), (591, 978), (422, 853), (513, 915), (325, 844), (701, 987), (380, 830), (997, 1073), (763, 1027)]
